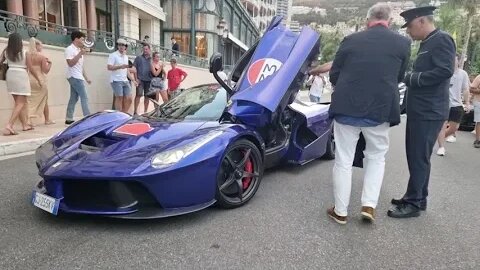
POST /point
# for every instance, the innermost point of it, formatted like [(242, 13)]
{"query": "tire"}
[(239, 174), (330, 151)]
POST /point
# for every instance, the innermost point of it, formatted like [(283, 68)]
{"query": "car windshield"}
[(206, 102)]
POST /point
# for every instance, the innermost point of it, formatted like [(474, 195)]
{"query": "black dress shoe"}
[(423, 205), (404, 210), (69, 122)]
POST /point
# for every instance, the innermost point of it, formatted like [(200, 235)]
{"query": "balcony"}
[(252, 6), (59, 35)]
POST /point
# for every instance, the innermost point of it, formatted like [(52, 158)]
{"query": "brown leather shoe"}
[(339, 219), (368, 213)]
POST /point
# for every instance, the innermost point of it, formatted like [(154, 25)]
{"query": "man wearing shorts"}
[(459, 85), (143, 65), (175, 77), (118, 66), (475, 90)]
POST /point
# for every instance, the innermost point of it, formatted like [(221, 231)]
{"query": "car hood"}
[(135, 138)]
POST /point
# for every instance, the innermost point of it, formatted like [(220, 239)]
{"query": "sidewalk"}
[(28, 141)]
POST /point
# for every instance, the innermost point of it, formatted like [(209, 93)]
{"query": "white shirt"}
[(119, 75), (317, 86), (77, 70), (459, 84)]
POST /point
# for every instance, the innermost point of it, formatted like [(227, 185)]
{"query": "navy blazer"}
[(366, 71)]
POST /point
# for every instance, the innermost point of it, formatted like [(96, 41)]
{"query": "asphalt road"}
[(283, 227)]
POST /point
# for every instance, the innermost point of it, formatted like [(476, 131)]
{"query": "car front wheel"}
[(239, 175)]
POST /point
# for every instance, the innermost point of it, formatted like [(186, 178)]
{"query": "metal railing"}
[(59, 35)]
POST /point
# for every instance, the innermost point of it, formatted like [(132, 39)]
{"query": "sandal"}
[(29, 128), (50, 122), (10, 132)]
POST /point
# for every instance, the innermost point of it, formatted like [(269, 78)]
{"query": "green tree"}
[(330, 44), (470, 6)]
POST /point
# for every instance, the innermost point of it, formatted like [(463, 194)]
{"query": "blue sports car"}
[(209, 145)]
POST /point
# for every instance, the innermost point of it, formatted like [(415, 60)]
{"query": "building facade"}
[(284, 8), (141, 18), (137, 18), (194, 26), (261, 11), (294, 26)]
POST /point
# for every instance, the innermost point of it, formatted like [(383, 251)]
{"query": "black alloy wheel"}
[(239, 175)]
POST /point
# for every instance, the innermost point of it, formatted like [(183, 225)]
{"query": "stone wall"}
[(99, 92)]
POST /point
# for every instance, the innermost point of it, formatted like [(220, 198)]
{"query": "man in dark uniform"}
[(427, 105)]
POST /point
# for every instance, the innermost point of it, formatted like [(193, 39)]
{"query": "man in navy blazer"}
[(365, 73)]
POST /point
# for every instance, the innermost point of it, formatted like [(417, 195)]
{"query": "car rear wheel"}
[(239, 175), (330, 151)]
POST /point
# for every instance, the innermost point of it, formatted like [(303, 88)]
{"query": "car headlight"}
[(172, 156)]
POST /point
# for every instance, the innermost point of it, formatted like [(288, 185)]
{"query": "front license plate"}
[(45, 202)]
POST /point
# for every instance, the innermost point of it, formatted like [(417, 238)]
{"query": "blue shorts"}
[(121, 89)]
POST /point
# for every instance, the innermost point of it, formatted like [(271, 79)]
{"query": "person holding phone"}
[(118, 65), (76, 75)]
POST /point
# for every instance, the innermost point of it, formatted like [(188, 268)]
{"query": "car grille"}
[(105, 194)]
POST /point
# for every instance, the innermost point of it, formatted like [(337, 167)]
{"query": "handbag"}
[(157, 83), (3, 71), (3, 68)]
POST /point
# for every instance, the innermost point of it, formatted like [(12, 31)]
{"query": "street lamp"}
[(225, 33), (222, 32), (222, 25)]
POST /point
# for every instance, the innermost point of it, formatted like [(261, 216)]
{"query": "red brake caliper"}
[(248, 168)]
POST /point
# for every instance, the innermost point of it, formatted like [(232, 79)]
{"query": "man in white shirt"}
[(223, 76), (118, 65), (317, 83), (459, 86), (76, 76)]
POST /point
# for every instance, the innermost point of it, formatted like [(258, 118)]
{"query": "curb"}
[(20, 147)]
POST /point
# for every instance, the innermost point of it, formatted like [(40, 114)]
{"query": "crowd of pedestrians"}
[(26, 79)]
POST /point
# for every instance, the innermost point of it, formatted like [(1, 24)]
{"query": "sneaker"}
[(451, 139), (441, 151), (476, 144), (368, 213), (69, 122), (339, 219)]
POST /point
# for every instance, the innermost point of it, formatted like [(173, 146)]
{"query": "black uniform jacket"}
[(428, 83)]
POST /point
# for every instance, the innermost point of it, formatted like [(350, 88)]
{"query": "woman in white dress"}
[(317, 83), (18, 83)]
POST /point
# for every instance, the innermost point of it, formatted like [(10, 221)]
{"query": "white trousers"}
[(346, 138)]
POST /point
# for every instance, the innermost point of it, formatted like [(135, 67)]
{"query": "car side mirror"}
[(216, 63)]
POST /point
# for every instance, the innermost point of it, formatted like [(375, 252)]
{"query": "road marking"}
[(17, 155)]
